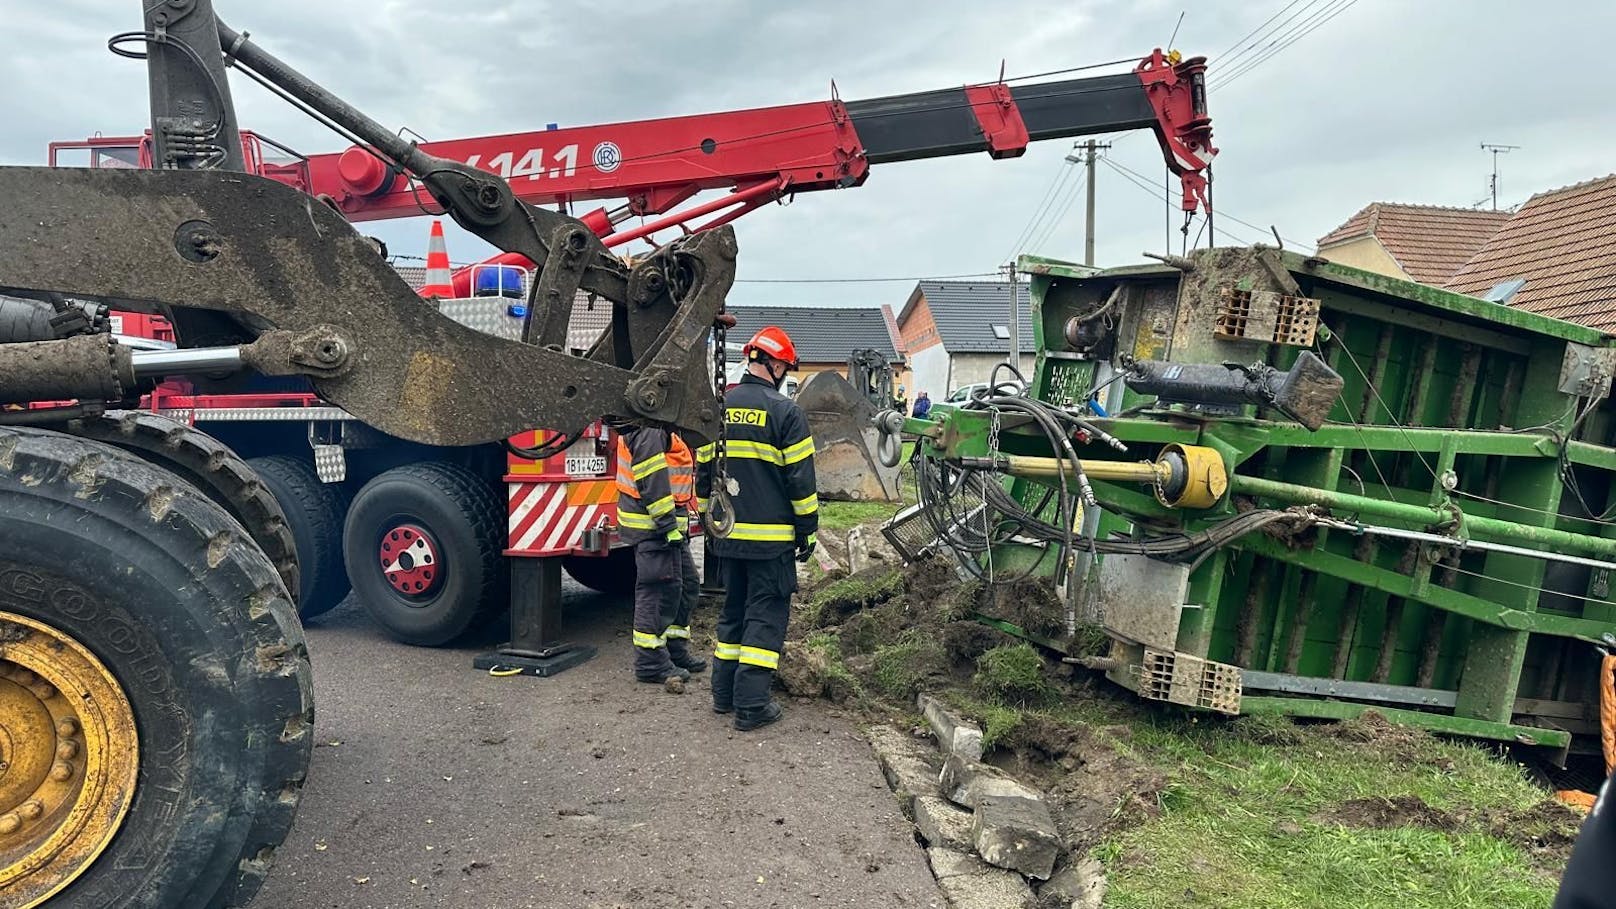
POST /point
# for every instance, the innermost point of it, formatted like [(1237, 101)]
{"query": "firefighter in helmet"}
[(655, 489), (769, 480)]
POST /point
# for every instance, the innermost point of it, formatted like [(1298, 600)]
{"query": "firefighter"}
[(769, 475), (655, 488)]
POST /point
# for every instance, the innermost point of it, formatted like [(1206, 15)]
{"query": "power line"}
[(1064, 208), (1249, 35), (1302, 30), (1034, 222), (1143, 182), (1278, 35)]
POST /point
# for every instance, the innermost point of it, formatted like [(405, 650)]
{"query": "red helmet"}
[(772, 342)]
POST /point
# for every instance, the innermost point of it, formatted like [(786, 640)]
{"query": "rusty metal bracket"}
[(556, 285)]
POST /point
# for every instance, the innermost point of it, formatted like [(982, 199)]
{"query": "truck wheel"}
[(423, 546), (207, 464), (155, 698), (613, 573), (314, 512)]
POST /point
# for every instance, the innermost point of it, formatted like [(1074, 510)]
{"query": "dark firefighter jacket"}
[(770, 457), (654, 480)]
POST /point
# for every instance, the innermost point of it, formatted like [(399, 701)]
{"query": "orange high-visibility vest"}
[(681, 470)]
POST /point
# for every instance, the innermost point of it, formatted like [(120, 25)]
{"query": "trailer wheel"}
[(423, 546), (613, 573), (314, 512), (207, 464), (155, 698)]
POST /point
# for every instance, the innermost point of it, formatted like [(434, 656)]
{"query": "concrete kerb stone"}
[(1079, 885), (965, 782), (906, 764), (942, 824), (1016, 833), (955, 734), (994, 889), (946, 862)]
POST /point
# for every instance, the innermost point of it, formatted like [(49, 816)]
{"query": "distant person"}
[(922, 405), (900, 402)]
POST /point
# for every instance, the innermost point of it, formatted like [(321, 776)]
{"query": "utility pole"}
[(1496, 149), (1014, 356), (1088, 159)]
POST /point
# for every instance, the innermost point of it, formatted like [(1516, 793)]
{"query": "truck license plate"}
[(586, 467)]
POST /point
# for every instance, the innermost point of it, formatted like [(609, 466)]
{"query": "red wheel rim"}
[(409, 560)]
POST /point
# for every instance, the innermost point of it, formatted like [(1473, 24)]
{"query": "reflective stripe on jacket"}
[(645, 496), (770, 456)]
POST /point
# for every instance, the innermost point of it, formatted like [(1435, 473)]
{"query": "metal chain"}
[(720, 492), (993, 434)]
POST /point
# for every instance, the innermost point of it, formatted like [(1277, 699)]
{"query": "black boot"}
[(747, 720), (660, 676), (684, 659)]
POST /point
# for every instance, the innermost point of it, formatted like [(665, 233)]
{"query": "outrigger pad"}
[(553, 663)]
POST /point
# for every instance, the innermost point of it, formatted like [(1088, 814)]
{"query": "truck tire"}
[(155, 681), (613, 574), (423, 546), (314, 513), (210, 466)]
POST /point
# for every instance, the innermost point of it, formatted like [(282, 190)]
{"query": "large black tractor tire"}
[(210, 466), (613, 573), (423, 546), (169, 682), (314, 513)]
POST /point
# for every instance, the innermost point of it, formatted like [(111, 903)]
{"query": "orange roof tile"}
[(1430, 242), (1563, 242)]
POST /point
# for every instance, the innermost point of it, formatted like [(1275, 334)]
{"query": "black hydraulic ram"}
[(1305, 392)]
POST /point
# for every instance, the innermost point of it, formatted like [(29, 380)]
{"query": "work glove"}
[(675, 536), (805, 546)]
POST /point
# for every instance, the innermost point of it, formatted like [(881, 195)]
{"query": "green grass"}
[(1013, 674), (844, 516), (1247, 823)]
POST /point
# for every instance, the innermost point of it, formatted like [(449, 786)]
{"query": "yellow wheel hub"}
[(68, 760)]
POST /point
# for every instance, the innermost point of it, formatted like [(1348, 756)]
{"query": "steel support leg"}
[(535, 647)]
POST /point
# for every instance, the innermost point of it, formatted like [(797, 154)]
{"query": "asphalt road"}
[(434, 785)]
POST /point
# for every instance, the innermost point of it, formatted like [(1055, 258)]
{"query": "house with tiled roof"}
[(1556, 256), (1424, 243), (824, 335), (955, 332)]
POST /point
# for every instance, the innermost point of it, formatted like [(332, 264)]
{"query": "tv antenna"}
[(1497, 150)]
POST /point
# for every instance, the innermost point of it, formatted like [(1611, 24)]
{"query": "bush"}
[(1013, 673)]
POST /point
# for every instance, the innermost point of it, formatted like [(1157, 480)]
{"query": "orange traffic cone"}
[(439, 280)]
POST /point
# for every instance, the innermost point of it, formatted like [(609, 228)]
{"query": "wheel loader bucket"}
[(845, 442)]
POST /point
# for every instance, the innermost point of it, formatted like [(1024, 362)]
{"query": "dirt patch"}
[(1105, 791), (1545, 832), (1030, 604), (1382, 813), (1406, 745), (831, 602), (968, 639), (931, 580), (814, 672)]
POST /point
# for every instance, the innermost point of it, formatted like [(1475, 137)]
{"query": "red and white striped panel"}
[(546, 519)]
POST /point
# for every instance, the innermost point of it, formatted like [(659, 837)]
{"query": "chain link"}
[(720, 491), (993, 434)]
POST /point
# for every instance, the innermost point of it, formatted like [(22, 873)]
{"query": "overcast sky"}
[(1389, 100)]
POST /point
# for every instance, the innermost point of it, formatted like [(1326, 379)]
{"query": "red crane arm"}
[(761, 155), (766, 153)]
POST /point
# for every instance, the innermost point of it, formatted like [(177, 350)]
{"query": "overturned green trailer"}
[(1283, 485)]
